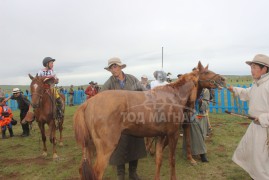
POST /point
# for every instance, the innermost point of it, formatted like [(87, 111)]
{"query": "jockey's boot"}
[(10, 132), (121, 172), (59, 105), (4, 134), (132, 170), (203, 158)]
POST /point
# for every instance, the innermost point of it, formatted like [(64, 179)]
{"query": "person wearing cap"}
[(23, 105), (160, 79), (252, 152), (144, 82), (5, 118), (129, 148), (90, 90), (49, 72)]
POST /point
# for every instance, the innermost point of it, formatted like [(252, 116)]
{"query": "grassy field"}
[(20, 158)]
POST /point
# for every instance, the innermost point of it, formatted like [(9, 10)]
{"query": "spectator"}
[(144, 82), (160, 79), (71, 95), (2, 93), (91, 90), (23, 104), (129, 148), (5, 118)]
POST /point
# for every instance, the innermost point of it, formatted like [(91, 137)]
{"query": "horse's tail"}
[(83, 137)]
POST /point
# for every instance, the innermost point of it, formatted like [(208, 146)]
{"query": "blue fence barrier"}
[(223, 101), (79, 98)]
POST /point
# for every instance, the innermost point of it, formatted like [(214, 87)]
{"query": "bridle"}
[(46, 89), (212, 81)]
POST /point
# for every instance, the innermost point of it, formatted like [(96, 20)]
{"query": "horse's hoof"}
[(61, 144), (193, 162), (44, 154), (55, 156)]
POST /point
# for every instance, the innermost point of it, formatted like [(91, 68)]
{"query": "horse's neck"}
[(200, 89)]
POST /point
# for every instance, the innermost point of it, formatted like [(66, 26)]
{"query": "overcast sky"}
[(83, 34)]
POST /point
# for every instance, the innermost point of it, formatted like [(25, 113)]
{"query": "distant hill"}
[(231, 79)]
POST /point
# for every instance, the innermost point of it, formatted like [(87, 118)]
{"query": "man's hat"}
[(16, 90), (144, 76), (260, 59), (91, 82), (115, 60)]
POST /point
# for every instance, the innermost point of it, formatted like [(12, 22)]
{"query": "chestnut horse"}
[(207, 79), (43, 102), (157, 112)]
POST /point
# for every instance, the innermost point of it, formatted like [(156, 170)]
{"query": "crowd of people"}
[(252, 153)]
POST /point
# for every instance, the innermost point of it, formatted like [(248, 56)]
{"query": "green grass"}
[(20, 158)]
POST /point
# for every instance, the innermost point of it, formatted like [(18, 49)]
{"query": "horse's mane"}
[(193, 76)]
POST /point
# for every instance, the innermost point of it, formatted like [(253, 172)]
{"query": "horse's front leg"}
[(159, 155), (187, 136), (43, 136), (172, 139), (52, 130)]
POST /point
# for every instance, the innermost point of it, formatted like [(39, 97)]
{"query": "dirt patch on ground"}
[(244, 124), (37, 161), (221, 148)]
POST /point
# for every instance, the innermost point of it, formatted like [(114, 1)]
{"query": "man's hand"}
[(230, 88), (256, 121)]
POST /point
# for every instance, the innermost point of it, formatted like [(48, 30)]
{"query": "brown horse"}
[(43, 102), (207, 79), (158, 112)]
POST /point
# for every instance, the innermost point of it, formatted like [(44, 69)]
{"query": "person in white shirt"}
[(160, 77), (252, 153)]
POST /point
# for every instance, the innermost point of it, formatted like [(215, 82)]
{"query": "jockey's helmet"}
[(46, 60)]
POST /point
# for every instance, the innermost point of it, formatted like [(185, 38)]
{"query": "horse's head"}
[(209, 79), (38, 87)]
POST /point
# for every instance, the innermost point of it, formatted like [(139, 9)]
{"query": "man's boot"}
[(59, 106), (203, 158), (132, 170), (10, 132), (26, 130), (4, 134), (121, 172)]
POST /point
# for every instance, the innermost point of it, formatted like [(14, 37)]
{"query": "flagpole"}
[(162, 57)]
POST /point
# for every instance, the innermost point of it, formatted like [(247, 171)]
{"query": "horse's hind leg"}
[(172, 139), (42, 130), (159, 154), (104, 148)]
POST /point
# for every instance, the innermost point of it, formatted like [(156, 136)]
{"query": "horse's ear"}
[(49, 80), (30, 76), (206, 67), (200, 66)]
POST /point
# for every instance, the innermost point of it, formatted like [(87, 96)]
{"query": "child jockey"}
[(48, 72), (5, 118)]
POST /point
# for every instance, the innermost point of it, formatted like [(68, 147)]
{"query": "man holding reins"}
[(252, 153)]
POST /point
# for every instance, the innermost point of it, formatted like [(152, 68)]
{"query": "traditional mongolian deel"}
[(252, 153)]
